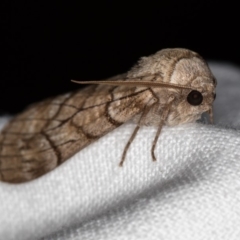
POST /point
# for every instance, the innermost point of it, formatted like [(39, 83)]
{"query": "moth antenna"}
[(135, 84)]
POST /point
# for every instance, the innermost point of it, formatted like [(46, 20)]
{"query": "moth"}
[(170, 87)]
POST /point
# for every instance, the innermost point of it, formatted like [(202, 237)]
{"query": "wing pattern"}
[(48, 133)]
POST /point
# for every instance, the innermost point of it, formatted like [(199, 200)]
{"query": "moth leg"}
[(128, 145), (164, 116), (210, 112), (141, 120), (155, 140)]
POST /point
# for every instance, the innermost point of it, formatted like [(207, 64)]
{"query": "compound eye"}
[(195, 98)]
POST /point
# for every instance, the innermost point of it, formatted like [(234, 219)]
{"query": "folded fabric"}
[(192, 191)]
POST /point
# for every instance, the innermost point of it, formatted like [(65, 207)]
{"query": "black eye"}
[(194, 98)]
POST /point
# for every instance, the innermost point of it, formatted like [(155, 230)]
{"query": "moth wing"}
[(48, 133)]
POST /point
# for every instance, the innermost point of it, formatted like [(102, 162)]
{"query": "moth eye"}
[(194, 98)]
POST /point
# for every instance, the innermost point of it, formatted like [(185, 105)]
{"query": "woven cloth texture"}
[(192, 191)]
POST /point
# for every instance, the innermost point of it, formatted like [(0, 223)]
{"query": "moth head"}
[(190, 70), (188, 105), (178, 74), (189, 78)]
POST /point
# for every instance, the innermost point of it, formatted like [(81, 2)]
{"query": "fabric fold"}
[(192, 191)]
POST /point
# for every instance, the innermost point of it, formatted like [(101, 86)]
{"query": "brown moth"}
[(171, 87)]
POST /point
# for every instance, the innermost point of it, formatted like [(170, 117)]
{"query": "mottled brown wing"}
[(48, 133)]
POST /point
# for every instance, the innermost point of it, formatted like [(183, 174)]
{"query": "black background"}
[(46, 45)]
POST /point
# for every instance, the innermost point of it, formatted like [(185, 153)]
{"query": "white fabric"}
[(191, 192)]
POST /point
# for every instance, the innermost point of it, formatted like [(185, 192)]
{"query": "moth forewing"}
[(171, 87)]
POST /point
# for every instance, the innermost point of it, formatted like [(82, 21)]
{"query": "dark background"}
[(46, 45)]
